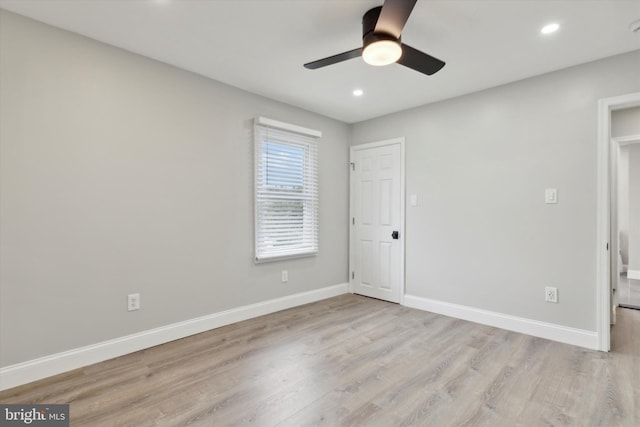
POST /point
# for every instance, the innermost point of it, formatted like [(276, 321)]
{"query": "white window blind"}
[(286, 190)]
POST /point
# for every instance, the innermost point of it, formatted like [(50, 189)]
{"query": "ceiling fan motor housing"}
[(369, 21)]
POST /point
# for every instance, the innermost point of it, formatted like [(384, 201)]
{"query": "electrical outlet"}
[(285, 276), (550, 294), (133, 302)]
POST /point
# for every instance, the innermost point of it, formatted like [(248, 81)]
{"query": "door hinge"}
[(353, 166), (353, 275), (353, 221)]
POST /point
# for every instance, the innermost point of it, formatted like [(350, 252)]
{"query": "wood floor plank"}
[(356, 361)]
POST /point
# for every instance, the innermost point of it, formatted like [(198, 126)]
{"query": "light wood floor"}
[(350, 361)]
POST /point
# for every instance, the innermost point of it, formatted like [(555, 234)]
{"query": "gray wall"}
[(634, 207), (481, 235), (625, 122), (120, 174), (623, 203)]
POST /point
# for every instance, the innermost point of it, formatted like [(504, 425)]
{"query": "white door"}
[(377, 220)]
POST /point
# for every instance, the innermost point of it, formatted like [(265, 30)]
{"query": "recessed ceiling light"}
[(550, 28), (358, 92)]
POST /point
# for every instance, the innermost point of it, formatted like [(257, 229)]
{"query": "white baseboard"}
[(32, 370), (535, 328), (633, 274)]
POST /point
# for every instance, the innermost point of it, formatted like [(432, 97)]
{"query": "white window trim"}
[(263, 121), (261, 124)]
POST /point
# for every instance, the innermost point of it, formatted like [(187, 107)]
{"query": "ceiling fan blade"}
[(394, 16), (419, 61), (334, 59)]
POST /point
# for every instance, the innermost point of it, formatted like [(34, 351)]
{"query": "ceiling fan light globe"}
[(382, 52)]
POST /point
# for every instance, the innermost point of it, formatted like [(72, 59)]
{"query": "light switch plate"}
[(551, 195), (413, 200), (133, 302)]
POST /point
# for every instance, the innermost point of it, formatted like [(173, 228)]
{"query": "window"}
[(286, 190)]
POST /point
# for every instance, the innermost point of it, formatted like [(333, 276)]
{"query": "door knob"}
[(395, 235)]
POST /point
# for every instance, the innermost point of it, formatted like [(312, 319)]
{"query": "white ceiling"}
[(260, 45)]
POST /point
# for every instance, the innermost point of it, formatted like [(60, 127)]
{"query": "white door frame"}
[(353, 148), (604, 238)]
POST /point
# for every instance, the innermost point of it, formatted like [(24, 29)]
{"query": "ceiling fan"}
[(381, 45)]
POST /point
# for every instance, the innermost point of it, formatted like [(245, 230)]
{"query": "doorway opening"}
[(626, 215), (607, 229)]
